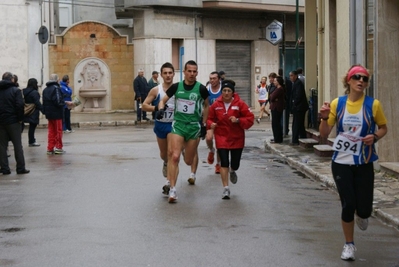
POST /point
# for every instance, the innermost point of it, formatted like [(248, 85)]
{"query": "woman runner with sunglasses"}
[(356, 117)]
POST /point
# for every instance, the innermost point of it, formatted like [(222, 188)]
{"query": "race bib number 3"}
[(186, 106), (348, 144)]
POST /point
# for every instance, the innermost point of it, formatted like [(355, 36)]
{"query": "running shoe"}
[(258, 120), (217, 168), (172, 195), (50, 152), (233, 177), (211, 157), (59, 151), (191, 180), (34, 144), (166, 189), (362, 223), (348, 253), (165, 170), (226, 193)]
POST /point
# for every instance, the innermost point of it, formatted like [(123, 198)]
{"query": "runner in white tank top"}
[(164, 126), (261, 89)]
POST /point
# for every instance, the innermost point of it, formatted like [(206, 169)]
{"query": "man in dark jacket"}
[(299, 106), (53, 107), (288, 90), (140, 86), (11, 116)]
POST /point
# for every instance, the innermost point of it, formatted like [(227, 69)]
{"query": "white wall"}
[(20, 49), (14, 40)]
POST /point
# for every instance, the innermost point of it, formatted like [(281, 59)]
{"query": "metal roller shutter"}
[(234, 58)]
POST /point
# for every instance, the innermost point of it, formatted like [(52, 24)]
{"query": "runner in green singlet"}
[(191, 106)]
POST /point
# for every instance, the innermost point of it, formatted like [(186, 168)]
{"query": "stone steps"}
[(307, 142), (323, 150)]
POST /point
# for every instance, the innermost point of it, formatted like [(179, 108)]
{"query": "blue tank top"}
[(368, 153), (213, 96)]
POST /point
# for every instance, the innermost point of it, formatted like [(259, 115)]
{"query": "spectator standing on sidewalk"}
[(152, 82), (191, 105), (32, 96), (11, 116), (229, 116), (140, 86), (277, 100), (301, 77), (263, 99), (288, 90), (53, 107), (67, 93), (299, 106), (222, 75), (360, 123), (271, 87), (215, 91)]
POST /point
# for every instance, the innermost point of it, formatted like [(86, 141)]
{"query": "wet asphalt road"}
[(100, 204)]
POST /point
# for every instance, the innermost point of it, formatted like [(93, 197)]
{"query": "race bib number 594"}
[(347, 143)]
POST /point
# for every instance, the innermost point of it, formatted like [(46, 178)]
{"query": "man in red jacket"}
[(229, 117)]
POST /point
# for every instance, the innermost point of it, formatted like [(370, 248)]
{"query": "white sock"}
[(192, 175), (226, 187)]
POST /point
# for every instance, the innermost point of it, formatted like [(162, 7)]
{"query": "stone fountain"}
[(93, 88)]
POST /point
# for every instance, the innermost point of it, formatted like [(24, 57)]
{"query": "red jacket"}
[(229, 135)]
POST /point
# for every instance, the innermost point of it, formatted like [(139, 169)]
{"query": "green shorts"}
[(186, 130)]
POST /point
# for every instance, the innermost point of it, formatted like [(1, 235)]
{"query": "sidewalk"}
[(386, 190)]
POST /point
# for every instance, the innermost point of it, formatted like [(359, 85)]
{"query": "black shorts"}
[(355, 184)]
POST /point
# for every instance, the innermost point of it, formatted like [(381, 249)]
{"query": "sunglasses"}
[(357, 77)]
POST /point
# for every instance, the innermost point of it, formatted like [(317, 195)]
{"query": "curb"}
[(93, 124)]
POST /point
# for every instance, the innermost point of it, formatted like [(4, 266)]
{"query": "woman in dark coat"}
[(277, 101), (31, 95)]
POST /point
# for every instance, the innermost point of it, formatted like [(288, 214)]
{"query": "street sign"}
[(274, 32), (43, 34)]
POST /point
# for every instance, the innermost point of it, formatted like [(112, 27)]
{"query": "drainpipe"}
[(42, 67), (297, 33), (352, 32), (320, 53), (73, 11), (51, 21), (283, 63), (196, 39)]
